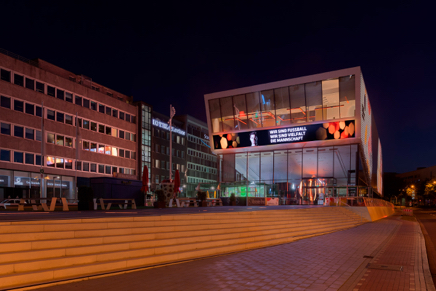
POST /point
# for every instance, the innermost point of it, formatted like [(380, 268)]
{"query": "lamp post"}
[(172, 113)]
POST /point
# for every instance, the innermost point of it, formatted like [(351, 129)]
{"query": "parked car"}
[(10, 203)]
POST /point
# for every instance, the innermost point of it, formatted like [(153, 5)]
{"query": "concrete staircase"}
[(35, 252)]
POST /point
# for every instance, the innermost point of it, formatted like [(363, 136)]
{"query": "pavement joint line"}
[(359, 273), (126, 271)]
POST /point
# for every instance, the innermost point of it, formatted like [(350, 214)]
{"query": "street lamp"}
[(170, 122)]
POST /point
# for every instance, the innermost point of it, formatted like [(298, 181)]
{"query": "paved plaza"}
[(385, 255)]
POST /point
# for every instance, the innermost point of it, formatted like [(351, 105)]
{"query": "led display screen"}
[(311, 132)]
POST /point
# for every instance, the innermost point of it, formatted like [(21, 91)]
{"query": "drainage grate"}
[(368, 257), (385, 267)]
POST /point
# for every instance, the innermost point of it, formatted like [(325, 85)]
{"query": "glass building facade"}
[(297, 139)]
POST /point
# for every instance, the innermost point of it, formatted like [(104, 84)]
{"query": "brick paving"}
[(333, 261)]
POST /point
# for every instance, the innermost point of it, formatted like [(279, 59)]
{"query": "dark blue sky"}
[(175, 53)]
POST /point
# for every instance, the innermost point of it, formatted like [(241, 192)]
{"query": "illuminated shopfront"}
[(301, 139)]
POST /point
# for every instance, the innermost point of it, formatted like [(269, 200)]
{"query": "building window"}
[(69, 142), (108, 111), (108, 170), (68, 97), (60, 94), (30, 84), (18, 157), (127, 117), (101, 128), (68, 164), (50, 114), (29, 133), (128, 135), (40, 87), (59, 117), (85, 103), (93, 126), (121, 153), (101, 108), (6, 128), (127, 154), (85, 145), (38, 160), (51, 91), (38, 111), (101, 169), (18, 80), (50, 138), (68, 119), (60, 140), (51, 162), (101, 148), (121, 115), (121, 134), (30, 109), (93, 147), (79, 100), (85, 124), (18, 131), (38, 135), (157, 164), (93, 168), (115, 113), (5, 155), (5, 102), (93, 105), (59, 163), (114, 169), (108, 130), (29, 159), (18, 105), (85, 166), (5, 75)]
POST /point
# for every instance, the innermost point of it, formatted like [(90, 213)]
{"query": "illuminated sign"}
[(310, 132), (166, 126)]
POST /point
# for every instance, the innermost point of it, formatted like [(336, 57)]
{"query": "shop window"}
[(85, 166), (30, 84), (60, 94), (79, 100), (280, 166), (18, 157), (50, 114), (40, 87), (30, 109), (68, 97), (5, 102), (85, 103), (29, 159), (29, 133), (51, 91), (50, 138), (5, 128), (18, 131), (18, 105), (253, 166), (5, 75), (59, 117), (5, 155)]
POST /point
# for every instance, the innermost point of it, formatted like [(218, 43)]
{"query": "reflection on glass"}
[(295, 163), (93, 147), (280, 166), (325, 162), (253, 110), (330, 98), (50, 161), (268, 108), (215, 114), (266, 166), (298, 104), (283, 112), (313, 101), (241, 119), (310, 163), (59, 163), (342, 161), (347, 96), (227, 113), (241, 166), (253, 167)]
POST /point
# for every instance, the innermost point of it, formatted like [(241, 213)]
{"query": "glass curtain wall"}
[(304, 176), (310, 102)]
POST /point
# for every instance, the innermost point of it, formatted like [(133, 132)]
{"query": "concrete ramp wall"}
[(373, 213)]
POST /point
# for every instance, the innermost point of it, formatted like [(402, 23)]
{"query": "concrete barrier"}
[(372, 213)]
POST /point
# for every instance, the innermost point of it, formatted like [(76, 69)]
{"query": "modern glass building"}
[(300, 139)]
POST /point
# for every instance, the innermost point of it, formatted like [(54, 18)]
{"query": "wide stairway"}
[(35, 252)]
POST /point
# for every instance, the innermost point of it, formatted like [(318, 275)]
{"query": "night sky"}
[(175, 53)]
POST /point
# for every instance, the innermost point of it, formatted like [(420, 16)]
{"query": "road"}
[(427, 219)]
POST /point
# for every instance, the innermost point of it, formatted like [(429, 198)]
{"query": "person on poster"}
[(253, 138)]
